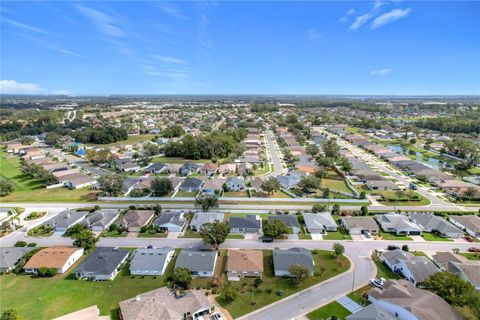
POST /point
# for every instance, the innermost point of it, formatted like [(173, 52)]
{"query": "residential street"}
[(274, 154)]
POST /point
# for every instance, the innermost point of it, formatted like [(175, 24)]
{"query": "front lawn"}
[(340, 234), (334, 182), (383, 271), (434, 237), (113, 234), (235, 194), (275, 288), (185, 194), (471, 255), (34, 215), (392, 236), (326, 312), (153, 235), (278, 194)]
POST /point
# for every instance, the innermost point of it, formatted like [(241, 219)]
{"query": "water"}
[(428, 161)]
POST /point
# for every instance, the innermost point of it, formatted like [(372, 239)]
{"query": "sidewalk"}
[(349, 304)]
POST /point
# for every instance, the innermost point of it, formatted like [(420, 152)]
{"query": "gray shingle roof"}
[(200, 218), (150, 259), (191, 183), (196, 260), (10, 256), (283, 259), (102, 261), (100, 218), (175, 218), (290, 220), (318, 220), (65, 218), (250, 222), (431, 222)]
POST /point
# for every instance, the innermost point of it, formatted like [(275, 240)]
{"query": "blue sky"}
[(226, 47)]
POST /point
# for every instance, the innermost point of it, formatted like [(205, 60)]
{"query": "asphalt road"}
[(274, 155)]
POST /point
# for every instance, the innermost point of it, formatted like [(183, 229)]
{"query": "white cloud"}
[(168, 59), (378, 4), (50, 45), (172, 11), (360, 21), (390, 17), (350, 12), (24, 27), (14, 87), (107, 24), (313, 34), (380, 72)]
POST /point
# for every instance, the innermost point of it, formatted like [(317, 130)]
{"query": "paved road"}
[(274, 154)]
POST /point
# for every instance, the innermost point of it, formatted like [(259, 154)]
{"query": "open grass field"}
[(335, 182), (422, 201), (278, 194), (180, 194), (326, 312), (266, 293), (132, 139)]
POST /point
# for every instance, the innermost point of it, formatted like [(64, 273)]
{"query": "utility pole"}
[(353, 280)]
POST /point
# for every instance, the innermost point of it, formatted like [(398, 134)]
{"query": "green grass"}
[(185, 194), (191, 234), (471, 255), (335, 182), (357, 295), (262, 171), (326, 266), (434, 237), (34, 215), (419, 253), (47, 298), (113, 234), (278, 194), (40, 231), (383, 271), (153, 235), (422, 201), (132, 139), (235, 236), (340, 234), (332, 309), (392, 236), (242, 194)]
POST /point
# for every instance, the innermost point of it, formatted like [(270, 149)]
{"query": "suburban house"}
[(151, 261), (161, 303), (256, 184), (235, 184), (244, 263), (200, 218), (102, 264), (61, 258), (290, 220), (319, 223), (209, 169), (284, 259), (173, 168), (469, 223), (134, 220), (398, 224), (405, 302), (78, 180), (100, 220), (200, 263), (156, 168), (372, 311), (247, 224), (65, 219), (381, 184), (436, 224), (191, 185), (10, 257), (289, 181), (244, 168), (170, 221), (359, 225), (459, 265), (416, 269), (213, 186), (129, 166), (189, 168), (227, 169)]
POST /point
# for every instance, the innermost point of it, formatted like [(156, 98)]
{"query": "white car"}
[(217, 316), (378, 283), (367, 235)]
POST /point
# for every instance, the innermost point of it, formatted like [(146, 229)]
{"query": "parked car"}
[(367, 235), (378, 282), (267, 239), (473, 249), (469, 239), (392, 247), (217, 316)]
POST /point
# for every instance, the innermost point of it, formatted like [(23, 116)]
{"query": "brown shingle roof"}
[(245, 260), (53, 257)]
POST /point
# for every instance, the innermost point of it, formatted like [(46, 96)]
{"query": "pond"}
[(420, 158)]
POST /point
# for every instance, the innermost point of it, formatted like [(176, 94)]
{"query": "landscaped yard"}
[(335, 182), (40, 231), (434, 237), (332, 309), (278, 194), (392, 236), (236, 194), (471, 255), (382, 269), (392, 195), (185, 194), (340, 234), (326, 266)]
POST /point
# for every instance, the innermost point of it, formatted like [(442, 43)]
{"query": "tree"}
[(6, 187), (405, 247), (53, 139), (229, 294), (364, 210), (275, 229), (299, 272), (74, 230), (270, 185), (182, 278), (206, 201), (111, 184), (85, 239), (345, 164), (214, 233), (312, 150), (20, 244), (318, 207), (10, 314), (451, 288), (336, 209), (338, 249), (331, 149), (309, 183), (470, 193), (363, 195), (161, 186)]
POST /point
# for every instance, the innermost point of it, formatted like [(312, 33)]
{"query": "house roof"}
[(319, 220), (371, 312), (421, 268), (102, 261), (396, 221), (245, 260), (283, 259), (66, 218), (200, 218), (235, 180), (432, 222), (162, 304), (100, 218), (444, 258), (214, 184), (136, 218), (196, 260), (53, 257), (175, 218), (191, 183), (210, 166), (422, 303), (289, 220), (156, 166), (394, 256), (471, 222), (10, 256), (364, 223), (150, 259), (249, 221)]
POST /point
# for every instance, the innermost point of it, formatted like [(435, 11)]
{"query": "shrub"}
[(42, 272), (20, 244), (32, 244), (405, 247), (280, 293), (257, 282)]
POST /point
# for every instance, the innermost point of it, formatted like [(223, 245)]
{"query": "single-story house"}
[(170, 221), (189, 167), (244, 168), (383, 184), (103, 263), (151, 261), (284, 259), (247, 224), (209, 169), (200, 263), (10, 257), (78, 180), (289, 181), (398, 224), (227, 169), (163, 304), (191, 184), (235, 184), (359, 225), (436, 224), (213, 186), (129, 167), (290, 220), (155, 167), (173, 168), (319, 222), (468, 270), (65, 219), (244, 263), (200, 218), (61, 258), (100, 220), (470, 223), (134, 220)]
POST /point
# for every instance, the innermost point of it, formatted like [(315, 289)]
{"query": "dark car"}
[(473, 249), (392, 247), (469, 239), (267, 239)]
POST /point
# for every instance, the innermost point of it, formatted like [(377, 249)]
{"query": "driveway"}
[(349, 304), (316, 236)]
